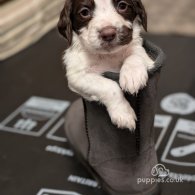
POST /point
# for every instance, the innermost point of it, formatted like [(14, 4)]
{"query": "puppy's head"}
[(101, 25)]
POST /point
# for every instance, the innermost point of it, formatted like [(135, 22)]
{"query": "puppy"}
[(104, 36)]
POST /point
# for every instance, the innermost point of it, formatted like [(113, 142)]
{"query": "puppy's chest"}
[(101, 64)]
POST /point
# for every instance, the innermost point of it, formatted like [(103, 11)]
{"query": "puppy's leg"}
[(134, 72), (84, 95), (148, 62), (107, 92), (133, 75)]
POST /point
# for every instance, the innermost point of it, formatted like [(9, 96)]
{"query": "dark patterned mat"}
[(35, 158)]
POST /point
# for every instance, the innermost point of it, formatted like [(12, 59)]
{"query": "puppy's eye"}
[(122, 6), (85, 13)]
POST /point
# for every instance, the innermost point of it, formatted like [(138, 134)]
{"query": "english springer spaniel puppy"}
[(104, 36)]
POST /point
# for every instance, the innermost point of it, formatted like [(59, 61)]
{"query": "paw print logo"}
[(160, 171)]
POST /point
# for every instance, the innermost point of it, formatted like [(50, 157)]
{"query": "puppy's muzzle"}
[(108, 34)]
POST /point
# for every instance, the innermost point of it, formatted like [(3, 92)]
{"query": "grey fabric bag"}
[(117, 157)]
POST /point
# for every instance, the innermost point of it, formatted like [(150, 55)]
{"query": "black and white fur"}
[(102, 36)]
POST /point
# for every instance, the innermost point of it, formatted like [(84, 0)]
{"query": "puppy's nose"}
[(108, 33)]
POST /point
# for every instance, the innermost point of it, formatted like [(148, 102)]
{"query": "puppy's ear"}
[(141, 12), (64, 23)]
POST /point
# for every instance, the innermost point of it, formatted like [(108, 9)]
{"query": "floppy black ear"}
[(141, 12), (64, 23)]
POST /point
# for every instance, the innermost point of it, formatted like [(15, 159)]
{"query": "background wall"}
[(167, 16)]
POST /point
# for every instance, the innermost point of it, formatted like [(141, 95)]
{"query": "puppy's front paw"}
[(123, 117), (133, 79)]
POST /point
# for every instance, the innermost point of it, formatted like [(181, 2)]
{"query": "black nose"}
[(108, 33)]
